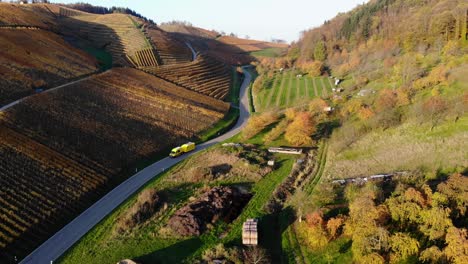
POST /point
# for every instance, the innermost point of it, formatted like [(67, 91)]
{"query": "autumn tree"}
[(317, 109), (456, 189), (320, 51), (434, 110), (255, 255), (431, 255), (276, 132), (403, 246), (334, 225), (368, 237), (386, 100), (257, 123), (457, 245), (299, 132)]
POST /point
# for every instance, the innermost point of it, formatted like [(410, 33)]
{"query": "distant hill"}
[(189, 30), (230, 49)]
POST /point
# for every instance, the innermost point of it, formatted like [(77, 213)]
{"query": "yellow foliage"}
[(299, 132), (257, 123), (314, 237)]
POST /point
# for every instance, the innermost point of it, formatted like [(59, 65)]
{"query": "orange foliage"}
[(386, 100), (365, 113), (299, 132)]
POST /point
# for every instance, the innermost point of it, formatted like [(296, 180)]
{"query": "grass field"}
[(270, 52), (148, 244), (287, 90)]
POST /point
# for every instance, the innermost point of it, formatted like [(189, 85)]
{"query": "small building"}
[(365, 92), (23, 2), (328, 109), (250, 232), (337, 81), (271, 163), (299, 76)]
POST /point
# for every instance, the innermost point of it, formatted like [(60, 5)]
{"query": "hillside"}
[(33, 56), (229, 49), (63, 149), (73, 144), (187, 29), (395, 126)]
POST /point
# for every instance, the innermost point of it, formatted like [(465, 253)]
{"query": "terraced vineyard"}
[(61, 150), (205, 75), (287, 89), (117, 33), (169, 49)]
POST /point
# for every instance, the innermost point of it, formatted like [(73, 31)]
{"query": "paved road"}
[(53, 248), (194, 53), (5, 107)]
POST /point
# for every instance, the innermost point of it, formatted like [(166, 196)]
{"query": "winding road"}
[(55, 246), (5, 107)]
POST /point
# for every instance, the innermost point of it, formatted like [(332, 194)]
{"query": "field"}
[(269, 52), (34, 58), (170, 50), (249, 45), (205, 75), (411, 146), (117, 33), (38, 15), (286, 90), (62, 150), (151, 242)]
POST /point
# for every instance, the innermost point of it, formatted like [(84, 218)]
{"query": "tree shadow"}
[(175, 253), (325, 129), (271, 228)]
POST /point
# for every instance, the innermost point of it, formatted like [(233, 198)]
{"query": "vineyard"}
[(205, 75), (39, 15), (289, 89), (61, 150), (169, 49), (117, 33), (250, 45), (37, 59)]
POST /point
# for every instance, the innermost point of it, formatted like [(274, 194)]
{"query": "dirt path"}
[(5, 107)]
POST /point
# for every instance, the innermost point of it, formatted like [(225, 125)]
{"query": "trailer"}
[(187, 147)]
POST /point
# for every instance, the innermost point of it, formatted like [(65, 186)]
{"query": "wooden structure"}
[(250, 232), (295, 151)]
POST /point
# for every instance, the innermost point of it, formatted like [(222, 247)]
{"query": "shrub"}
[(257, 123), (145, 206), (299, 132)]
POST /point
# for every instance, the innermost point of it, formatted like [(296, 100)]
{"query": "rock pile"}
[(223, 203)]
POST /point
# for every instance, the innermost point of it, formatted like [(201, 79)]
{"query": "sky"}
[(258, 19)]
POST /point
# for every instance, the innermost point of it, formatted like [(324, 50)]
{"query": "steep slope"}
[(391, 188), (60, 151), (33, 56), (401, 100)]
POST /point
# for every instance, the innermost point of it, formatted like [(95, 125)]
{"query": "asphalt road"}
[(5, 107), (55, 246)]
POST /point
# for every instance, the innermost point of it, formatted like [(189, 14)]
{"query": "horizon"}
[(211, 15)]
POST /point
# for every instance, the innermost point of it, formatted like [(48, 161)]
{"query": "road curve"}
[(55, 246), (5, 107), (194, 53)]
